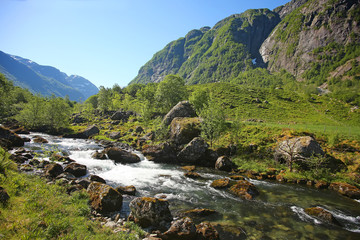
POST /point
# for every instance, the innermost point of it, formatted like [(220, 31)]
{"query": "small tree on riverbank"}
[(213, 121)]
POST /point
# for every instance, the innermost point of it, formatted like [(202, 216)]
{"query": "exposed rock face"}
[(322, 215), (95, 178), (346, 189), (182, 109), (151, 212), (76, 169), (183, 130), (121, 156), (192, 152), (314, 24), (53, 170), (182, 229), (302, 147), (244, 189), (286, 9), (9, 139), (162, 153), (224, 163), (104, 198)]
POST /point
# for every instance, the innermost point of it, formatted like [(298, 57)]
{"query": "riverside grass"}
[(37, 210)]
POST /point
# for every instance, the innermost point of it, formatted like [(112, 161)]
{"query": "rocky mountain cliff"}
[(308, 38), (45, 80)]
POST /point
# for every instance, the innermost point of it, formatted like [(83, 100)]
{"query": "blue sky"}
[(106, 41)]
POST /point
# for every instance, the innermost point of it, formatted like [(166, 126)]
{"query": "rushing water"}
[(277, 213)]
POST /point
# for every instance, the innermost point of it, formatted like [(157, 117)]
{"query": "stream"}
[(277, 213)]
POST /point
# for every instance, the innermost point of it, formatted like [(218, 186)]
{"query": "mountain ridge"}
[(46, 80)]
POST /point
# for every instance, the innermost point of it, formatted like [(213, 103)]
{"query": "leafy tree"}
[(117, 89), (213, 123), (147, 96), (93, 100), (104, 99), (56, 113), (32, 114), (170, 91), (133, 89), (199, 99)]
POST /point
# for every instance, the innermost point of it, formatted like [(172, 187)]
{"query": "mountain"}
[(311, 39), (45, 80)]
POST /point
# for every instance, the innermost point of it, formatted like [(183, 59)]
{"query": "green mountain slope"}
[(216, 54)]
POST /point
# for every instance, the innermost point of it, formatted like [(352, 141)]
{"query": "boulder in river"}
[(8, 139), (183, 130), (244, 189), (192, 152), (346, 189), (104, 198), (221, 183), (161, 153), (76, 169), (322, 215), (224, 163), (151, 212), (95, 178), (39, 139), (182, 229), (128, 190), (121, 156), (53, 170), (206, 231), (182, 109)]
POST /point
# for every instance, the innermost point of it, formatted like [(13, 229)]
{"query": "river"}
[(277, 213)]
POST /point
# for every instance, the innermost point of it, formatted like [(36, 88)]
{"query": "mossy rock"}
[(244, 189), (222, 183), (183, 130)]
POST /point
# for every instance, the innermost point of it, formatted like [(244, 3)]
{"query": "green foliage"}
[(213, 123), (199, 99), (104, 99), (32, 115), (5, 163), (93, 100), (169, 92)]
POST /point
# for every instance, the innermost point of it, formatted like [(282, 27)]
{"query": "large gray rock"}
[(53, 170), (122, 115), (90, 131), (161, 153), (104, 198), (182, 109), (192, 152), (121, 156), (183, 130), (300, 147), (76, 169), (151, 212), (182, 229), (224, 163)]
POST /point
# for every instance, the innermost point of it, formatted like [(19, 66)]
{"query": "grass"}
[(37, 210)]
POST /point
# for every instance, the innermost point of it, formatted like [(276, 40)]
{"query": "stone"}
[(322, 215), (302, 148), (121, 156), (224, 163), (104, 198), (221, 183), (151, 212), (206, 231), (76, 169), (193, 151), (182, 229), (53, 170), (38, 139), (189, 168), (161, 153), (244, 189), (66, 175), (128, 190), (99, 155), (8, 139), (122, 115), (183, 130), (115, 135), (91, 131), (83, 182), (237, 177), (320, 184), (182, 109), (346, 189), (95, 178), (199, 212), (193, 175), (4, 196)]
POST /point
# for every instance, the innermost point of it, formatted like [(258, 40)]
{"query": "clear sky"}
[(106, 41)]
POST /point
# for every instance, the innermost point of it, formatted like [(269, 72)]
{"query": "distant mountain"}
[(312, 39), (45, 80)]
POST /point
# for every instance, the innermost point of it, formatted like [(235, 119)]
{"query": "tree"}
[(104, 99), (32, 114), (93, 100), (147, 98), (57, 112), (170, 91), (289, 149), (213, 123), (199, 99)]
